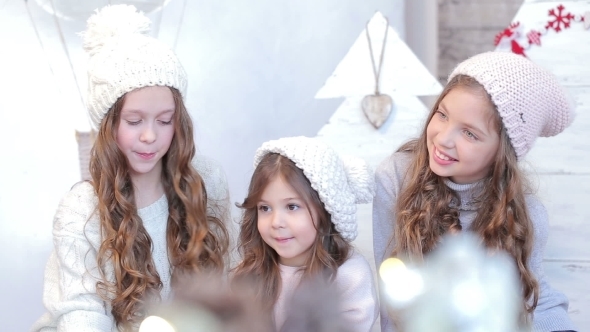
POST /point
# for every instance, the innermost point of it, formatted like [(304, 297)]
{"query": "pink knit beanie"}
[(530, 100)]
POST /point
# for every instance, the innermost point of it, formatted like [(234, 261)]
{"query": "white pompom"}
[(360, 179), (110, 22)]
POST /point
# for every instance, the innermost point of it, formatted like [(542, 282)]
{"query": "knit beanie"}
[(530, 100), (341, 183), (123, 58)]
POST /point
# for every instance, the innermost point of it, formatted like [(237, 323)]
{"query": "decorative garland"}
[(559, 20)]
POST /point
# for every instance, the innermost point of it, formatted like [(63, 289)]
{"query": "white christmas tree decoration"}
[(403, 77)]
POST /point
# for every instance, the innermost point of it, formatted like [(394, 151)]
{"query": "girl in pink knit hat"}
[(462, 173), (295, 236)]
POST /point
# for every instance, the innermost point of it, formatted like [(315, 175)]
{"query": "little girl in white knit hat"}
[(151, 212), (462, 173), (298, 223)]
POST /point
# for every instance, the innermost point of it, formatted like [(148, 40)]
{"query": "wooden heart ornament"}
[(377, 108)]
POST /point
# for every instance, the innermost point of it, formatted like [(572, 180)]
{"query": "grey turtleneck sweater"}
[(551, 312)]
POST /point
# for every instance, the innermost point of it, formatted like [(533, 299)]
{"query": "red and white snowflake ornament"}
[(512, 38), (560, 21)]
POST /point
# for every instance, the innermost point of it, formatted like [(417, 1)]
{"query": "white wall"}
[(253, 67), (255, 70), (421, 26)]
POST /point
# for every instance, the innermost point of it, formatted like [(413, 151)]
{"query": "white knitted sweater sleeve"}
[(358, 295), (218, 203), (71, 272)]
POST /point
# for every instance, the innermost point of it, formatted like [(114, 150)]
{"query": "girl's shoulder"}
[(356, 274), (394, 167), (356, 263), (533, 202), (81, 197), (76, 213), (213, 177), (537, 213)]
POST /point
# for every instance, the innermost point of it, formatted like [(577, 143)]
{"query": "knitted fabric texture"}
[(70, 276), (123, 58), (529, 99), (341, 183)]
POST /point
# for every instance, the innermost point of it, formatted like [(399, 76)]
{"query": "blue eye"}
[(470, 135)]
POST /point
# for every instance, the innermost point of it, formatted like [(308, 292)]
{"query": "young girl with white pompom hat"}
[(153, 211)]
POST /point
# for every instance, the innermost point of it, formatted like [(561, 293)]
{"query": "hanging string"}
[(159, 19), (377, 72), (159, 22), (65, 48), (39, 38), (179, 25)]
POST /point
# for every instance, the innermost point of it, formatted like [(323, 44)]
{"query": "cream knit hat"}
[(529, 99), (123, 58), (341, 183)]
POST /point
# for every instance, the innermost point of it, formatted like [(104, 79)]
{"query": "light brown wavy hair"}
[(196, 240), (425, 211), (260, 263)]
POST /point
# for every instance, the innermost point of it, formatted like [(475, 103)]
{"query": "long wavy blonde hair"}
[(195, 240), (260, 263), (424, 212)]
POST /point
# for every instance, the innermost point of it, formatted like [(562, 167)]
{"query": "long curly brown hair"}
[(260, 263), (196, 240), (425, 213)]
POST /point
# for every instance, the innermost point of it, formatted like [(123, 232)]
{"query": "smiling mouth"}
[(283, 239), (146, 155), (443, 156)]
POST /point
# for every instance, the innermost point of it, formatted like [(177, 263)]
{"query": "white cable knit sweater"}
[(71, 272)]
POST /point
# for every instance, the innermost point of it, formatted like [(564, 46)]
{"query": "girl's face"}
[(461, 137), (146, 129), (285, 223)]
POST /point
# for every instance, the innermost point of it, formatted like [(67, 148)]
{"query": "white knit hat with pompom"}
[(123, 58), (341, 183), (529, 98)]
